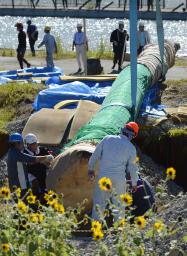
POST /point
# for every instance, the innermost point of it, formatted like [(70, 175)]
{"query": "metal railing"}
[(114, 4)]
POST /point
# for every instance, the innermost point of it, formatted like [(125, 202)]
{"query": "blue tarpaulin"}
[(32, 72), (86, 90)]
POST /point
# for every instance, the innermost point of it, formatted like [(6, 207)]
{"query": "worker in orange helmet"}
[(117, 156)]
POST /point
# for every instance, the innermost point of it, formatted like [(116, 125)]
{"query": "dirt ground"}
[(70, 66)]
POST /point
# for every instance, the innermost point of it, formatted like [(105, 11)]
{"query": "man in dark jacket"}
[(17, 169), (21, 46), (32, 34), (37, 171), (119, 38)]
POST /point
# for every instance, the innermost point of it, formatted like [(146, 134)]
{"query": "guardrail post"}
[(164, 4)]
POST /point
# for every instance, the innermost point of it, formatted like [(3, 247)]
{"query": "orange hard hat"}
[(133, 126)]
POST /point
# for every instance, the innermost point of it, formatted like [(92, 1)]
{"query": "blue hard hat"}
[(15, 137)]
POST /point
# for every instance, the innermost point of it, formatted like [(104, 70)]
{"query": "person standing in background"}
[(78, 43), (143, 38), (150, 5), (22, 45), (118, 38), (51, 46), (98, 4), (32, 34)]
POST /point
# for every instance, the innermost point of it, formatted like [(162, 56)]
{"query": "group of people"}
[(27, 164), (118, 38)]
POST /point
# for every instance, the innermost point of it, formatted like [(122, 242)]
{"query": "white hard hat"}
[(79, 25), (141, 24), (31, 138), (121, 22)]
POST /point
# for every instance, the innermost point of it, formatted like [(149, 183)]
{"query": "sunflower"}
[(158, 226), (22, 207), (121, 222), (96, 225), (18, 192), (36, 217), (127, 199), (171, 173), (140, 221), (5, 248), (31, 199), (5, 193), (105, 184), (61, 209), (98, 234)]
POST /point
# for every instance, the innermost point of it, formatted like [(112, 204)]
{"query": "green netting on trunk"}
[(117, 107)]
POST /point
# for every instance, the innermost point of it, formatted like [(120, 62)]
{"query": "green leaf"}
[(32, 248), (185, 238), (149, 233), (137, 240)]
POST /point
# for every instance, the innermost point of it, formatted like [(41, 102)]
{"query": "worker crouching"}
[(17, 160), (117, 156), (36, 171)]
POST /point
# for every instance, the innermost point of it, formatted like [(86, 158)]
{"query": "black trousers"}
[(32, 43), (41, 177), (65, 3), (20, 57), (140, 49), (118, 55), (98, 4)]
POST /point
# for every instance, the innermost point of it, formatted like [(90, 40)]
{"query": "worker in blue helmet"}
[(17, 169)]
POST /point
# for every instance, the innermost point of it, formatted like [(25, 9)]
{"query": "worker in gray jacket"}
[(117, 156), (143, 38), (51, 46)]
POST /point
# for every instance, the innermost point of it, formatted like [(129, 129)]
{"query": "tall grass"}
[(102, 52)]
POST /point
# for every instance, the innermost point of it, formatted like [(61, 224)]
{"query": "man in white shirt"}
[(117, 156), (143, 38), (51, 46), (78, 43)]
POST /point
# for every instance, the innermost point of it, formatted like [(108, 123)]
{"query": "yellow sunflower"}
[(5, 248), (98, 234), (171, 173), (36, 217), (140, 221), (96, 225), (158, 226), (105, 184), (5, 193), (18, 192), (127, 199), (61, 209), (22, 207), (121, 222), (31, 199)]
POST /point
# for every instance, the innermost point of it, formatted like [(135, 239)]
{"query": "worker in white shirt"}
[(51, 46), (143, 38), (78, 43)]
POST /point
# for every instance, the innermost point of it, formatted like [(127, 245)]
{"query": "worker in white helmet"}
[(37, 171), (51, 46), (79, 44), (118, 38), (143, 38)]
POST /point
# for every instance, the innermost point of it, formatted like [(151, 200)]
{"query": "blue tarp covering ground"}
[(36, 72), (87, 90), (150, 106)]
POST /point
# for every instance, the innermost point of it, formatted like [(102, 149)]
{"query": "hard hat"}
[(15, 137), (18, 25), (133, 126), (121, 22), (29, 21), (47, 28), (30, 138), (79, 25), (141, 24)]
